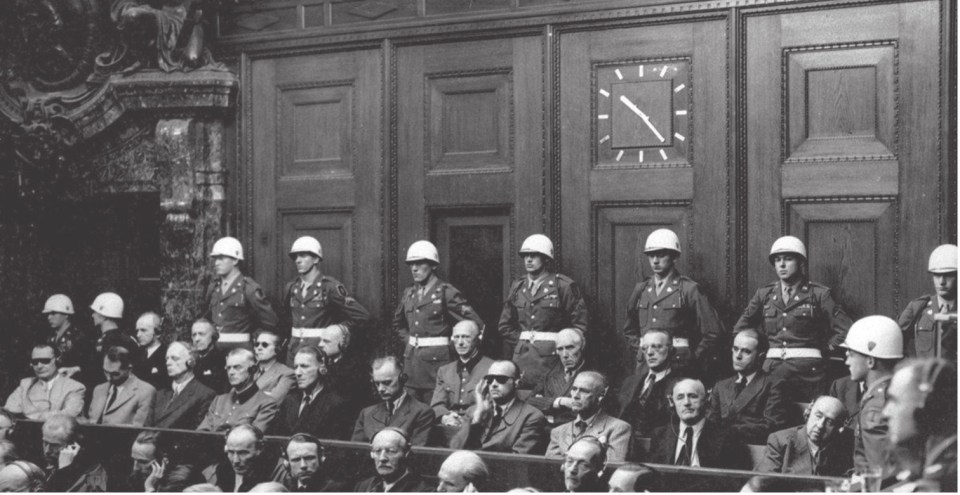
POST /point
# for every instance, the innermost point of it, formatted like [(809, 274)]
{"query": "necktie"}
[(648, 385), (579, 427), (659, 286), (113, 397), (739, 386), (495, 422), (686, 454), (303, 404), (787, 294), (390, 408)]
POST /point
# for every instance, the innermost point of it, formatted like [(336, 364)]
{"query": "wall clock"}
[(643, 113)]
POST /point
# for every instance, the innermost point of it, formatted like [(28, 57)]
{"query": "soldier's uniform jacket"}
[(77, 348), (872, 447), (326, 303), (116, 338), (557, 304), (920, 330), (812, 319), (432, 315), (241, 309), (681, 309)]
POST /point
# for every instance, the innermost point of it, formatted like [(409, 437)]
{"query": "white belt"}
[(793, 353), (306, 333), (535, 336), (679, 342), (429, 341), (234, 338)]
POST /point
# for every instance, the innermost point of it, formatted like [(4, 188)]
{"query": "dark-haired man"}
[(46, 393), (303, 458), (396, 408), (315, 407), (124, 399)]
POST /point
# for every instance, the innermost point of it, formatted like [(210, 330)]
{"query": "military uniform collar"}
[(952, 305), (429, 285), (231, 279), (245, 395), (317, 280), (470, 363), (877, 387)]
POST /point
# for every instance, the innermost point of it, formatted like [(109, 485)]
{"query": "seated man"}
[(816, 448), (244, 403), (303, 459), (499, 421), (456, 380), (22, 476), (692, 440), (634, 478), (184, 405), (642, 400), (397, 408), (70, 468), (124, 399), (47, 393), (552, 395), (583, 466), (463, 471), (211, 361), (314, 407), (273, 378), (345, 373), (588, 390), (750, 404), (246, 464), (152, 470), (390, 451), (149, 362)]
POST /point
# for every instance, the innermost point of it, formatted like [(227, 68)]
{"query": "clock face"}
[(643, 113)]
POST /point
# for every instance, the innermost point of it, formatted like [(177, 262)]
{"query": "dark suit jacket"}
[(554, 384), (225, 477), (186, 411), (788, 451), (153, 369), (647, 413), (412, 416), (211, 371), (714, 449), (848, 391), (758, 411), (351, 381), (412, 482), (522, 431), (325, 417)]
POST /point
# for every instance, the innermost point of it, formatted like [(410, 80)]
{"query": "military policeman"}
[(236, 304), (538, 306), (314, 300), (107, 312), (801, 319), (427, 311), (874, 347), (918, 320), (77, 356), (673, 302)]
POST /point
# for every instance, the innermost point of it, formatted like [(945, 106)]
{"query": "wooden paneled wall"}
[(730, 122)]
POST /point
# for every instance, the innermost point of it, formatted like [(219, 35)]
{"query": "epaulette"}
[(565, 279)]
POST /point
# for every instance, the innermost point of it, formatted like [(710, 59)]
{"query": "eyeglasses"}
[(39, 361), (501, 379), (262, 344)]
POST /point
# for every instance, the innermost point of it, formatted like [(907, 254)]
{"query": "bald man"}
[(817, 447), (463, 471), (552, 395), (22, 476), (390, 451), (453, 394)]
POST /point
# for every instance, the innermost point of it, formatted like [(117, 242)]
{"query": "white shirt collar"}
[(697, 431), (49, 383), (750, 377), (941, 301)]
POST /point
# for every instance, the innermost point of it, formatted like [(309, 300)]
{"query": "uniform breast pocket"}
[(434, 355), (926, 336), (316, 303), (770, 312), (643, 312)]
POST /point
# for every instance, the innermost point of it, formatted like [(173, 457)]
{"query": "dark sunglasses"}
[(262, 344), (37, 361), (501, 379)]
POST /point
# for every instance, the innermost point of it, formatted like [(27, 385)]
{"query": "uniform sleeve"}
[(907, 321), (265, 414), (207, 423), (265, 314), (286, 382), (439, 401), (772, 461), (421, 427), (509, 325), (837, 318), (400, 325), (458, 308), (531, 438), (202, 408), (352, 314), (712, 335), (576, 307), (631, 329), (752, 317)]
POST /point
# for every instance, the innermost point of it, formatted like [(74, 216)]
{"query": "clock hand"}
[(646, 120)]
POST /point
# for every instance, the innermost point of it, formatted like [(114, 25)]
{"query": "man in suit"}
[(462, 471), (397, 408), (153, 470), (70, 466), (184, 405), (315, 407), (583, 466), (750, 404), (210, 369), (273, 377), (345, 374), (588, 391), (690, 440), (642, 400), (124, 399), (150, 363), (499, 421), (303, 459), (390, 451), (552, 395), (456, 381), (246, 464), (244, 403), (47, 393), (817, 448)]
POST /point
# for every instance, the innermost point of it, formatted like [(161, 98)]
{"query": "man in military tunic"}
[(107, 313), (236, 304), (919, 319), (539, 305), (77, 354), (800, 318), (673, 302), (424, 318), (314, 300), (874, 347)]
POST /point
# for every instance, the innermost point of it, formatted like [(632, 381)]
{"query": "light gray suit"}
[(615, 432), (131, 407)]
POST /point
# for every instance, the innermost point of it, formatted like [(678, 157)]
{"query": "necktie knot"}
[(740, 384), (579, 427), (391, 407)]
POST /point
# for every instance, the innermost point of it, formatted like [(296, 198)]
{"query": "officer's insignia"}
[(871, 345), (342, 291)]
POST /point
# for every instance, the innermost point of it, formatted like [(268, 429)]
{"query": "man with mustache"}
[(817, 448)]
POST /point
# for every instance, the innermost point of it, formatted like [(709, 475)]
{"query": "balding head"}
[(466, 338), (825, 416), (689, 400), (460, 469), (570, 344), (22, 476)]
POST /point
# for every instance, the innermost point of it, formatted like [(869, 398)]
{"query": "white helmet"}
[(537, 244), (306, 244), (58, 303), (423, 251), (228, 246), (108, 304), (943, 259), (876, 336), (788, 244), (661, 239)]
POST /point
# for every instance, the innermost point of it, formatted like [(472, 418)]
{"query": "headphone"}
[(252, 429), (303, 438), (600, 444)]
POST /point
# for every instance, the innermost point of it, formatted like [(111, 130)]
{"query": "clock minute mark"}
[(663, 154), (619, 74), (681, 112), (605, 93), (679, 88), (619, 155), (603, 116), (604, 139), (663, 71), (679, 136)]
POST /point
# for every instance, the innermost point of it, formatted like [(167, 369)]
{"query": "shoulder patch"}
[(563, 278), (341, 290)]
